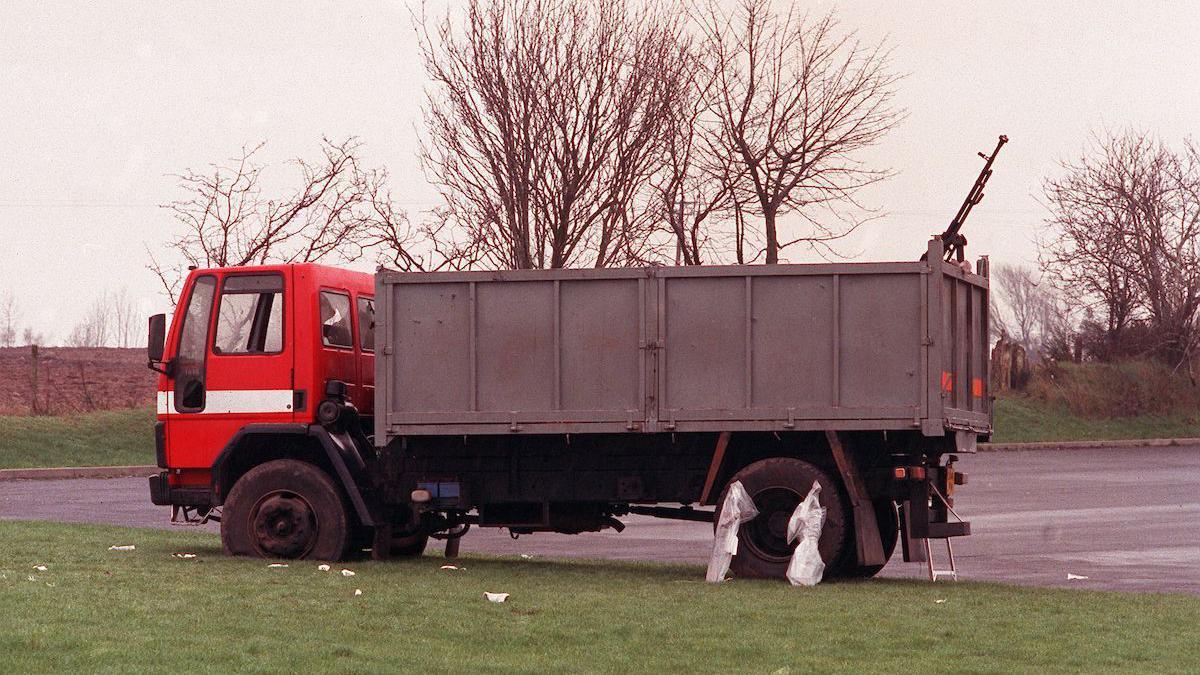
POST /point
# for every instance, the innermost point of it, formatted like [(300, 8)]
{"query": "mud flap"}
[(868, 543), (912, 547)]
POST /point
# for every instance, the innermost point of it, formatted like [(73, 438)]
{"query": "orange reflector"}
[(901, 473), (977, 388), (947, 381), (918, 472)]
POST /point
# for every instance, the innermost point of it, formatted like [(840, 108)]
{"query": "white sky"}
[(98, 105)]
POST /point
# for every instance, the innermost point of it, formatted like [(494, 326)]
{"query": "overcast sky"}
[(100, 103)]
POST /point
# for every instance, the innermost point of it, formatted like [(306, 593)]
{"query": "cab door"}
[(364, 319), (244, 373), (339, 351)]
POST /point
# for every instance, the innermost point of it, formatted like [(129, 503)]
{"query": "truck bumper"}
[(162, 494)]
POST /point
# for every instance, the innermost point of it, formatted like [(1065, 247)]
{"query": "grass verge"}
[(96, 610), (1023, 419), (103, 438)]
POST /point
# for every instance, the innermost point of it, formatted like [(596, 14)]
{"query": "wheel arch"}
[(746, 448), (334, 453)]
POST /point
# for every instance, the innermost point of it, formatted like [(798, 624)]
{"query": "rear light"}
[(907, 472), (420, 496)]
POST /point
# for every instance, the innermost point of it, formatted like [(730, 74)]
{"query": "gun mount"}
[(953, 240)]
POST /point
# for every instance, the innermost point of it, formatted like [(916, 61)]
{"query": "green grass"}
[(104, 438), (145, 611), (1022, 419)]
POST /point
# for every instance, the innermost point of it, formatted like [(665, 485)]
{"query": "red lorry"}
[(561, 400)]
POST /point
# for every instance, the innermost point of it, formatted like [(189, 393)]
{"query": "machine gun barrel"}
[(952, 239)]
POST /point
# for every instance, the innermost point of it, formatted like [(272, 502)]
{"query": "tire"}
[(286, 509), (777, 486), (888, 519)]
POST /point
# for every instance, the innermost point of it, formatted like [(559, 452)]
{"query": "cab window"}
[(193, 341), (335, 320), (250, 318), (366, 324)]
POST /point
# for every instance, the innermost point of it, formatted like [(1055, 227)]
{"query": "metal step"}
[(935, 574)]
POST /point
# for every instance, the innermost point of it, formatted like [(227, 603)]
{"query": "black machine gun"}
[(952, 239)]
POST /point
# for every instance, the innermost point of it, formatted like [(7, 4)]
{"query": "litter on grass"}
[(323, 568), (40, 568), (186, 556), (122, 547), (449, 567), (942, 601), (1073, 577), (357, 592), (495, 597), (347, 573), (278, 565), (526, 556), (31, 578)]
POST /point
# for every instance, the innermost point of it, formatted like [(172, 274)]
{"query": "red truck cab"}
[(254, 349)]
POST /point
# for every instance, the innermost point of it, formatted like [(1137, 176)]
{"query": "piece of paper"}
[(495, 597), (122, 547), (347, 573), (323, 568)]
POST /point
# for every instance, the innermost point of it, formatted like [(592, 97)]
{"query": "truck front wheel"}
[(777, 486), (286, 509)]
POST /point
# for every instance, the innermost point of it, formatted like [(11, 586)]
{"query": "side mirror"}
[(157, 338)]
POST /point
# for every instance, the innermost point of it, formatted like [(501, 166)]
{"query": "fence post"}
[(33, 404)]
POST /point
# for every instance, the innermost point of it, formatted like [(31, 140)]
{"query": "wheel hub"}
[(284, 525), (767, 532)]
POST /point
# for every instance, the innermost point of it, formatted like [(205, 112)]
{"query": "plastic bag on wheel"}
[(737, 509), (806, 567)]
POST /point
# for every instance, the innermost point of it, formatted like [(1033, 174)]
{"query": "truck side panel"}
[(767, 348)]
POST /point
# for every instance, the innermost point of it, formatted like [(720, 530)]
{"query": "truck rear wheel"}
[(777, 486), (286, 509)]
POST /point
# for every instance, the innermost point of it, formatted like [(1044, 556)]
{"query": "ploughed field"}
[(145, 609), (74, 380)]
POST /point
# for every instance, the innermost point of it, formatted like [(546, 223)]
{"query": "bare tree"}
[(9, 315), (125, 319), (545, 123), (1025, 304), (798, 100), (30, 337), (1126, 217), (693, 189), (95, 329), (338, 209)]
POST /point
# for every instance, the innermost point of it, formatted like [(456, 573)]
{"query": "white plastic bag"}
[(737, 509), (806, 567)]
